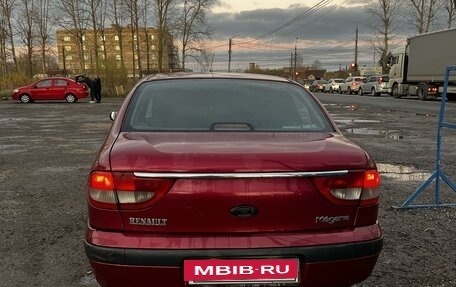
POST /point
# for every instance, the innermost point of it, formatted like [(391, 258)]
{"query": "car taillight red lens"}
[(380, 81), (107, 189), (354, 188)]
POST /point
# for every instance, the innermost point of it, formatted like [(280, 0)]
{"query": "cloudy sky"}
[(266, 31)]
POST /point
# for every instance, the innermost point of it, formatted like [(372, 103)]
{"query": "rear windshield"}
[(339, 81), (385, 78), (223, 105), (359, 79)]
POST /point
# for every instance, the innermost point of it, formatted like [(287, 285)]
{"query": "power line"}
[(316, 7)]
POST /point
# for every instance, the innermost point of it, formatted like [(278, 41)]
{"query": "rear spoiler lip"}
[(224, 175)]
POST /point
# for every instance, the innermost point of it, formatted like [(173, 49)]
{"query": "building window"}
[(84, 47), (67, 48), (152, 37), (118, 57), (117, 48), (102, 47), (102, 56), (87, 66), (102, 38), (136, 57), (83, 38), (69, 58), (152, 47), (116, 38), (67, 38), (86, 57)]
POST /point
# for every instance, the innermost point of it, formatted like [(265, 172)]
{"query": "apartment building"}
[(79, 53)]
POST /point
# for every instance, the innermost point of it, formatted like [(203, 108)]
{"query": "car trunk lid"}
[(237, 182)]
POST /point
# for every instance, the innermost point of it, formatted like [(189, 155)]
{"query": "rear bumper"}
[(308, 254), (348, 263)]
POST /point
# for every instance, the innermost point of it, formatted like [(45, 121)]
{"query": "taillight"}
[(360, 187), (107, 190), (380, 81)]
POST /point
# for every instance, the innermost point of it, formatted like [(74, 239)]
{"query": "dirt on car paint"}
[(46, 150)]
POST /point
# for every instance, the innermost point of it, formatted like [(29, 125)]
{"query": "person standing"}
[(89, 85), (97, 89)]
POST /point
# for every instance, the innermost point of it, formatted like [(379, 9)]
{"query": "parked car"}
[(375, 85), (318, 86), (55, 88), (332, 85), (351, 85), (237, 178), (307, 83)]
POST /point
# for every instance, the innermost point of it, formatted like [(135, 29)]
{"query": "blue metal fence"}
[(438, 174)]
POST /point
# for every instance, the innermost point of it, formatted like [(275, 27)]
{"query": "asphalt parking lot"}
[(46, 150)]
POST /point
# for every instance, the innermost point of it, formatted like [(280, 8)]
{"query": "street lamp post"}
[(295, 57), (230, 43)]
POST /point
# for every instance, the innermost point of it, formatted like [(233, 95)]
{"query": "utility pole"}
[(295, 58), (230, 43), (291, 66), (229, 55), (356, 50), (63, 59)]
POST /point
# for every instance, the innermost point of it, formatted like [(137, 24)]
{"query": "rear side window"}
[(223, 105), (385, 78), (44, 84), (60, 83)]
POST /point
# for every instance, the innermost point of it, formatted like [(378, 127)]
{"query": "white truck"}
[(419, 69)]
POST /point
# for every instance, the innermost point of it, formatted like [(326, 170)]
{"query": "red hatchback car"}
[(56, 88), (230, 179)]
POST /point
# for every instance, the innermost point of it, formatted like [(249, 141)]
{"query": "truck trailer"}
[(419, 68)]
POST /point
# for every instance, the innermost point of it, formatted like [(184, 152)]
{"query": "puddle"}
[(389, 134), (341, 106), (353, 121), (402, 173)]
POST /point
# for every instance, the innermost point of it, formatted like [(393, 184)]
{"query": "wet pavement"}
[(46, 150)]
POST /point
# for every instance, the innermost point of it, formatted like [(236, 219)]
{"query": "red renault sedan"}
[(55, 88), (233, 180)]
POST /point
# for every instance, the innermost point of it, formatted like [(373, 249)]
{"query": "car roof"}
[(56, 78), (243, 76)]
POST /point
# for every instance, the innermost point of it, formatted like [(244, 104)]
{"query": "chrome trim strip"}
[(240, 174)]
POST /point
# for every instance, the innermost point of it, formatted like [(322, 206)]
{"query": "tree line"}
[(27, 29), (421, 15)]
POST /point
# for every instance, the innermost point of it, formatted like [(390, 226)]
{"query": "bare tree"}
[(162, 8), (450, 8), (194, 30), (44, 28), (3, 38), (384, 14), (73, 19), (134, 9), (7, 13), (424, 14), (117, 17), (103, 12), (25, 30), (145, 22), (94, 8)]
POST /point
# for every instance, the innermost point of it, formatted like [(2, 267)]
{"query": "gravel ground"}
[(46, 150)]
